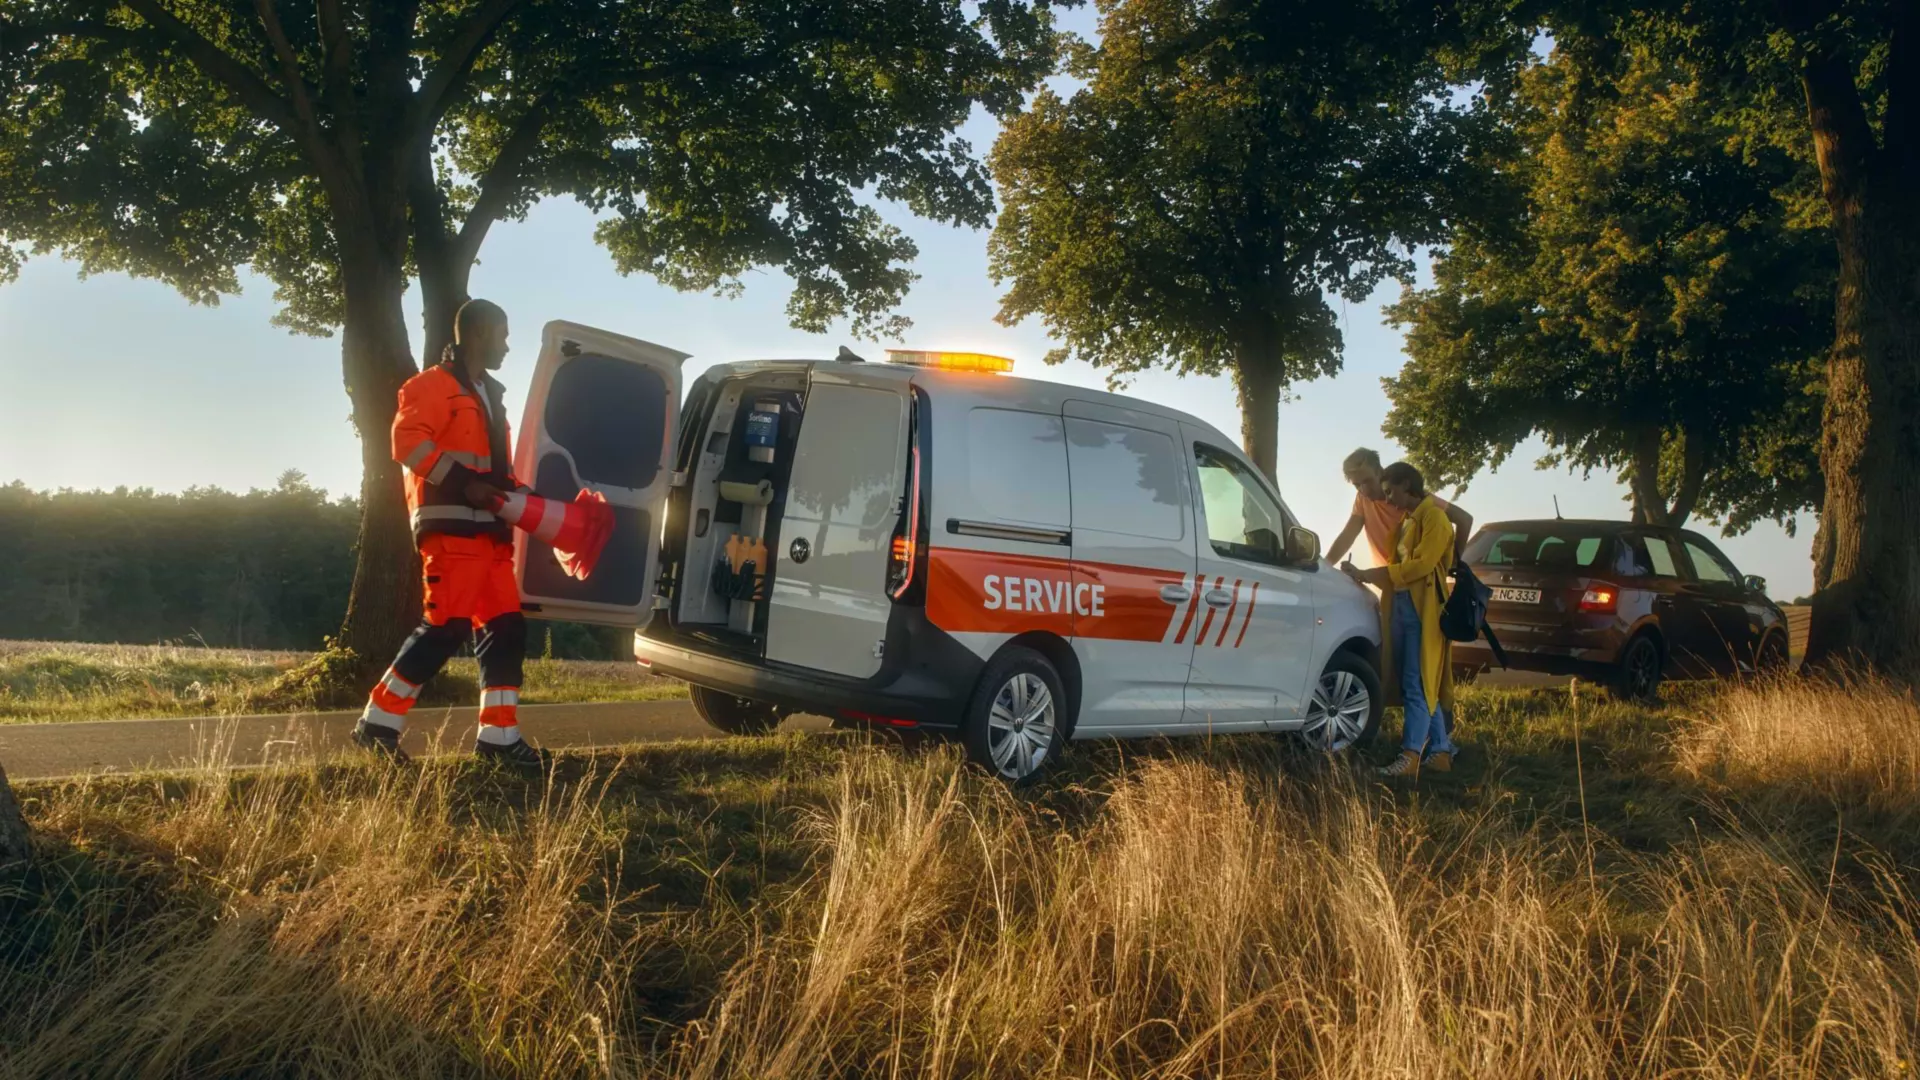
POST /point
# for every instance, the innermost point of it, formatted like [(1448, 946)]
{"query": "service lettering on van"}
[(999, 592), (1044, 594)]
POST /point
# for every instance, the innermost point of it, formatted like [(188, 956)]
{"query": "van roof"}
[(981, 389)]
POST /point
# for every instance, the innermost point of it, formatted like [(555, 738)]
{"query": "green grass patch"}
[(42, 681)]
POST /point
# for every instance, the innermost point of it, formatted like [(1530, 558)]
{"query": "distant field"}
[(1721, 886), (44, 681)]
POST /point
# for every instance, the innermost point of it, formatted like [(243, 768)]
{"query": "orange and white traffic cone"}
[(577, 531)]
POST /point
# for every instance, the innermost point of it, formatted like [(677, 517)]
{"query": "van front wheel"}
[(1344, 709), (734, 715), (1016, 722)]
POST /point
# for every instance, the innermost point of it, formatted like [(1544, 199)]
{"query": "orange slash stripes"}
[(1252, 599), (1211, 610), (1227, 623)]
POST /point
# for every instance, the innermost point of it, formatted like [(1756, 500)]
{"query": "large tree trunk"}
[(376, 356), (1866, 607), (15, 844), (1256, 380)]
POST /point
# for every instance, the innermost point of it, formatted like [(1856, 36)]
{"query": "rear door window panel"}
[(1017, 466)]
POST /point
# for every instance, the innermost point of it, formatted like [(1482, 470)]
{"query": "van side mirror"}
[(1756, 583), (1303, 546)]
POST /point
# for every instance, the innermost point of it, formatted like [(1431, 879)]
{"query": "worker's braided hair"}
[(467, 322)]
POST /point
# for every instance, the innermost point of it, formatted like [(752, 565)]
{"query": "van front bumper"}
[(912, 696)]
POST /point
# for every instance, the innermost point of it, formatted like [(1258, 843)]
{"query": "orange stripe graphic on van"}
[(996, 592)]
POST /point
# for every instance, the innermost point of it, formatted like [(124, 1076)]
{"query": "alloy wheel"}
[(1020, 725), (1643, 669), (1337, 713)]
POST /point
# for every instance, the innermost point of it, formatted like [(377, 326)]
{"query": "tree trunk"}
[(1866, 607), (376, 356), (1256, 380), (15, 844)]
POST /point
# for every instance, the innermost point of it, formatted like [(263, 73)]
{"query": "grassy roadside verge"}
[(48, 681), (1703, 889)]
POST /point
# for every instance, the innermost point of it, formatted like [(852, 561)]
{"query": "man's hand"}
[(481, 495)]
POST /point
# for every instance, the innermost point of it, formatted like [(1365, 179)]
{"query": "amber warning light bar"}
[(950, 361)]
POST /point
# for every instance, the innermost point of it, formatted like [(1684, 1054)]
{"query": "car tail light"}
[(1601, 598), (904, 553)]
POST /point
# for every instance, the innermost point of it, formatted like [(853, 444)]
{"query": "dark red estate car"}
[(1622, 603)]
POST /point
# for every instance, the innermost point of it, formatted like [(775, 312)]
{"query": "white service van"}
[(931, 543)]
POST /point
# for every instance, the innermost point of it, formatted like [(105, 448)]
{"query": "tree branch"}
[(501, 182), (436, 90), (1693, 475), (1643, 477), (290, 75), (221, 67), (337, 52)]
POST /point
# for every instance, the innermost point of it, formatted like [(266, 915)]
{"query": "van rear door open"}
[(828, 607), (600, 416)]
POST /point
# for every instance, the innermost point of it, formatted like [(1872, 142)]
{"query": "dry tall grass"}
[(1214, 912), (1856, 742)]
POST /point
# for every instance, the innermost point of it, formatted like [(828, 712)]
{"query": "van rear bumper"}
[(912, 696)]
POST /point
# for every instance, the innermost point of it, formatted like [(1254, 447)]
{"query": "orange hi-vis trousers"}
[(467, 599)]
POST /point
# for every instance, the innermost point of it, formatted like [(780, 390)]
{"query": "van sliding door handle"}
[(1219, 597), (1175, 594)]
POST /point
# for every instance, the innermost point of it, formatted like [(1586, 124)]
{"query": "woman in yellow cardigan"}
[(1412, 592)]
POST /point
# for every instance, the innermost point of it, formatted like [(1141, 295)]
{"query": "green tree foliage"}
[(264, 570), (268, 569), (1850, 69), (344, 148), (1646, 285), (1224, 169)]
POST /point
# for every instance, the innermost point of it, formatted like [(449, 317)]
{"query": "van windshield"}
[(1558, 546)]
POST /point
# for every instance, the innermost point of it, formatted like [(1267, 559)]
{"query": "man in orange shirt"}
[(451, 435), (1379, 518)]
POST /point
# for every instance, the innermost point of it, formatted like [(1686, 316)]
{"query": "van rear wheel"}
[(1017, 721), (732, 714)]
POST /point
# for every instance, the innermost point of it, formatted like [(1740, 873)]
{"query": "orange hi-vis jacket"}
[(446, 437)]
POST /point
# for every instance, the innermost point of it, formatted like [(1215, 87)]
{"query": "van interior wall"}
[(713, 520)]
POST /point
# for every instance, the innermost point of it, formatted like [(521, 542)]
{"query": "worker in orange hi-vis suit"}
[(451, 436)]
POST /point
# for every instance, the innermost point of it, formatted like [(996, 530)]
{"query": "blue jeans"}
[(1426, 733)]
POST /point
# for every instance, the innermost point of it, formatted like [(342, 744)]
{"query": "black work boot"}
[(383, 741), (519, 754)]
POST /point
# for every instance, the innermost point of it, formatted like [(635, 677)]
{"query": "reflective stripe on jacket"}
[(445, 438)]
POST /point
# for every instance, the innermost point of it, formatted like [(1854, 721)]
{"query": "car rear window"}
[(1550, 548)]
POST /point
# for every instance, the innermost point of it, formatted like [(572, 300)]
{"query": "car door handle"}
[(1175, 594), (1219, 597)]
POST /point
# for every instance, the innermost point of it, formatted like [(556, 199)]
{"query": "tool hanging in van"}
[(741, 573)]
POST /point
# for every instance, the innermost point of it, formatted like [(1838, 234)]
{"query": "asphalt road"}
[(42, 751)]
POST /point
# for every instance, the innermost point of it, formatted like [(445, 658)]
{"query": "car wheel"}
[(734, 715), (1773, 657), (1638, 676), (1016, 723), (1344, 709)]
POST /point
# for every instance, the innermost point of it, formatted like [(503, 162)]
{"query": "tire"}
[(1637, 676), (734, 715), (1773, 656), (1344, 709), (1016, 723)]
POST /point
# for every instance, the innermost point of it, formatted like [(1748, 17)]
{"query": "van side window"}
[(1017, 466), (1243, 521), (1125, 480)]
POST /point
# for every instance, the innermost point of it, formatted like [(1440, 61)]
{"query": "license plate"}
[(1517, 596)]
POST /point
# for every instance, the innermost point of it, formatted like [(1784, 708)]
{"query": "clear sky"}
[(112, 381)]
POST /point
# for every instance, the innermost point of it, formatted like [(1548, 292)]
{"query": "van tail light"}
[(1600, 598), (904, 554)]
